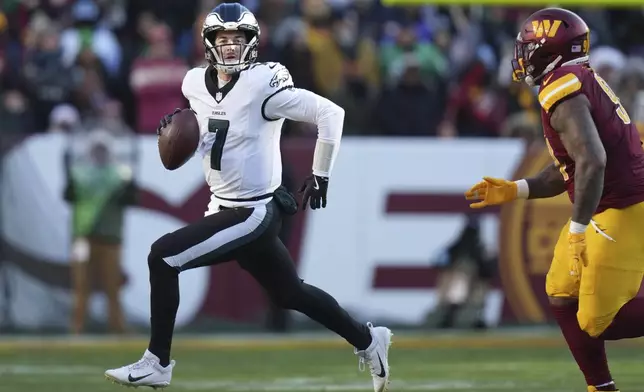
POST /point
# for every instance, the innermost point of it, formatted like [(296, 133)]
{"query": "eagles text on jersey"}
[(240, 145)]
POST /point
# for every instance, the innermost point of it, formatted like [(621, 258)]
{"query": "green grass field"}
[(498, 361)]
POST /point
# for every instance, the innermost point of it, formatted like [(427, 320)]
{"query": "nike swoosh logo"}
[(316, 186), (135, 379), (382, 368), (546, 80)]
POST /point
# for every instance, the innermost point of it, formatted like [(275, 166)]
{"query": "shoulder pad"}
[(281, 78), (191, 79), (557, 87), (273, 76)]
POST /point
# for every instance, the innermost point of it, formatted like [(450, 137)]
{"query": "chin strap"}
[(532, 80)]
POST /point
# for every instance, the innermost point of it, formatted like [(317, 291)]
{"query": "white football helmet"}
[(231, 17)]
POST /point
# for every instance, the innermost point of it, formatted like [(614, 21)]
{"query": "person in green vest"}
[(99, 191)]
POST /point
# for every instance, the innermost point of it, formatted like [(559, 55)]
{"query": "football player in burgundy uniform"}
[(598, 159)]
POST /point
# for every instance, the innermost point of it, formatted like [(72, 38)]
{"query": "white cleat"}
[(147, 372), (376, 355)]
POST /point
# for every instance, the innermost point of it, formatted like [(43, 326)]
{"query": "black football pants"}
[(250, 236)]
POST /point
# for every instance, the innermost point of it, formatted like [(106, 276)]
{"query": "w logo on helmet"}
[(545, 27)]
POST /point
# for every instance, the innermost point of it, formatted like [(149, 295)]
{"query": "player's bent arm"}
[(574, 123), (548, 183), (302, 105)]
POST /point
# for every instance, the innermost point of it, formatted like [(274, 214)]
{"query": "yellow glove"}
[(577, 253), (492, 191)]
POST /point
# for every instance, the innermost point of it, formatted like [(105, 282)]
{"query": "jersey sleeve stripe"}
[(269, 97), (558, 90)]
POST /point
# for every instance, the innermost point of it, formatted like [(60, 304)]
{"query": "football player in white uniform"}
[(241, 106)]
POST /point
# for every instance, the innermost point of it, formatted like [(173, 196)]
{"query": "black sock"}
[(323, 308), (164, 302)]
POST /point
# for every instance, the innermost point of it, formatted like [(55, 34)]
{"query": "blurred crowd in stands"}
[(435, 71), (92, 68)]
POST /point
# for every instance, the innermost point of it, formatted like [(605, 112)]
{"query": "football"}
[(178, 141)]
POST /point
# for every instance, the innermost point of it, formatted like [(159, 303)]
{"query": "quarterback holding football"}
[(240, 106)]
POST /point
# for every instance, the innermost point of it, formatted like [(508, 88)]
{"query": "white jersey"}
[(239, 145)]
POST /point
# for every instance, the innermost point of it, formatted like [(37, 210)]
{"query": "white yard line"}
[(48, 370), (279, 384), (321, 384)]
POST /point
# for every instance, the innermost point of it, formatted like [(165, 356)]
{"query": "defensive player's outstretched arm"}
[(574, 123), (548, 183), (302, 105), (494, 191)]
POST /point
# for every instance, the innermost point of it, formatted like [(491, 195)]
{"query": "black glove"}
[(314, 188), (166, 120)]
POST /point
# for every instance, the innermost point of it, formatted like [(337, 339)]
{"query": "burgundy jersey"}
[(624, 174), (156, 84)]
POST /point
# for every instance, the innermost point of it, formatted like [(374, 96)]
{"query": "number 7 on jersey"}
[(220, 129)]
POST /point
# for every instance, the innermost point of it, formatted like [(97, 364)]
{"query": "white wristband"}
[(577, 228), (324, 157), (523, 191)]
